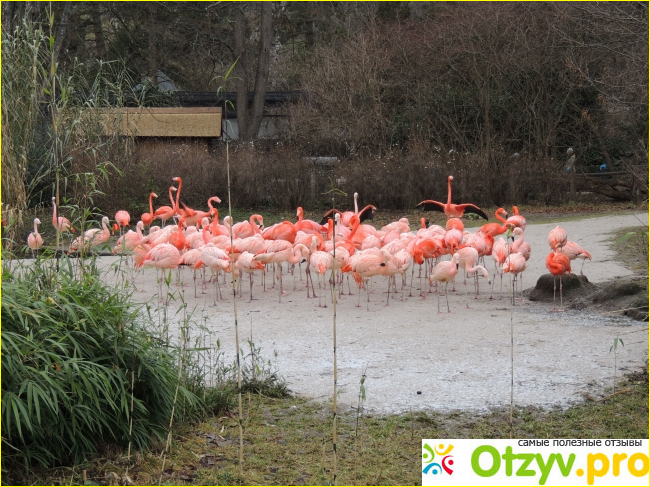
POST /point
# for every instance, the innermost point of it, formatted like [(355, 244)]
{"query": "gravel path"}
[(417, 359)]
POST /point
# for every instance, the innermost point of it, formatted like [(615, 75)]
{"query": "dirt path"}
[(418, 359)]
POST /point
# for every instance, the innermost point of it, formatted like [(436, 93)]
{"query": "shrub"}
[(68, 349)]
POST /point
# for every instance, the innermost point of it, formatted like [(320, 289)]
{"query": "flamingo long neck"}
[(171, 197), (356, 205), (151, 203), (35, 228), (138, 229), (449, 191), (423, 222), (354, 221), (54, 214), (210, 200), (104, 224), (500, 218), (300, 214), (178, 193)]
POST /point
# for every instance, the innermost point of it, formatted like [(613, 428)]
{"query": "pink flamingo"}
[(192, 217), (281, 231), (500, 252), (92, 237), (517, 220), (162, 256), (147, 218), (558, 265), (60, 223), (346, 217), (249, 228), (364, 266), (572, 250), (192, 258), (450, 209), (246, 263), (557, 238), (291, 255), (216, 260), (123, 218), (34, 239), (306, 225), (166, 212), (468, 259), (494, 229), (519, 245), (130, 239), (445, 271), (515, 264)]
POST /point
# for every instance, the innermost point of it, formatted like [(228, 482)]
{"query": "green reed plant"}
[(69, 348)]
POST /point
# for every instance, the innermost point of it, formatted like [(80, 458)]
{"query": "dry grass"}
[(285, 438)]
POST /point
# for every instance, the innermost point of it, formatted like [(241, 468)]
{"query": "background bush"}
[(68, 349)]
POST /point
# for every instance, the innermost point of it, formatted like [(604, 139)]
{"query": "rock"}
[(616, 290), (639, 309), (571, 284)]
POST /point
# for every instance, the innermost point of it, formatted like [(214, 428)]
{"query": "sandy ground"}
[(417, 359)]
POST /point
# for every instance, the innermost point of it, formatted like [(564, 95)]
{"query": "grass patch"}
[(631, 247), (288, 441)]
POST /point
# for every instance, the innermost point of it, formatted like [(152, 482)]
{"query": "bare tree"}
[(249, 113)]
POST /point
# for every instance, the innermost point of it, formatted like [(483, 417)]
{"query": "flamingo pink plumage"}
[(573, 251), (445, 271), (450, 209), (34, 239), (147, 218), (558, 265), (557, 238)]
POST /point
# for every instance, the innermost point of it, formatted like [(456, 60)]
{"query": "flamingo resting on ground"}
[(450, 209)]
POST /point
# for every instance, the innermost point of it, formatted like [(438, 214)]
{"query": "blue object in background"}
[(603, 167)]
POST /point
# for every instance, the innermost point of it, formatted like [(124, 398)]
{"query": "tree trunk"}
[(249, 115), (153, 61), (62, 30), (8, 9), (97, 28), (240, 70)]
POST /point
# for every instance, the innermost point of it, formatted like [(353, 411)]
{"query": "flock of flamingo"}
[(341, 242)]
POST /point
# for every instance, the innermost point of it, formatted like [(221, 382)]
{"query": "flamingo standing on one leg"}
[(450, 209), (34, 239), (558, 265), (573, 251)]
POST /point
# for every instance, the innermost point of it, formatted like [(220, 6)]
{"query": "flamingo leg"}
[(388, 294), (447, 297), (553, 293), (251, 287)]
